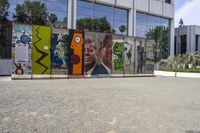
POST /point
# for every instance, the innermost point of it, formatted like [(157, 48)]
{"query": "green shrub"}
[(193, 70), (180, 62)]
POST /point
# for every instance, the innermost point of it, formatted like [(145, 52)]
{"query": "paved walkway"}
[(111, 105)]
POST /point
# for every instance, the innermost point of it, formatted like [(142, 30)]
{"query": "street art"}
[(97, 54), (59, 52), (150, 56), (105, 53), (21, 49), (118, 54), (76, 52), (140, 54), (129, 55), (41, 50)]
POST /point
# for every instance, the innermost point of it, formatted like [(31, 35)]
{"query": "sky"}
[(188, 10)]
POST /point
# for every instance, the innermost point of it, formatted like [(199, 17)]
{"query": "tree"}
[(160, 35), (4, 22), (122, 29), (181, 23), (113, 30), (52, 18), (96, 24), (31, 12)]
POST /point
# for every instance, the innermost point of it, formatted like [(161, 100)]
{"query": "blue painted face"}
[(25, 39)]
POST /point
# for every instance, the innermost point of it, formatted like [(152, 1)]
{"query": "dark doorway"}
[(175, 45), (183, 44), (197, 43)]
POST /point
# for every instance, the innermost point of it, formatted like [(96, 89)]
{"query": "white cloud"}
[(189, 12)]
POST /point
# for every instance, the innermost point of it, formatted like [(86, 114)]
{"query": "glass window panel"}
[(117, 31), (153, 18), (141, 27), (140, 33), (56, 7), (103, 8), (141, 21), (141, 16), (119, 17), (99, 14), (120, 11), (115, 16), (85, 11), (152, 23), (119, 23), (57, 1), (85, 4)]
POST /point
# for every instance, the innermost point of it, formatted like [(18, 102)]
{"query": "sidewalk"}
[(111, 105)]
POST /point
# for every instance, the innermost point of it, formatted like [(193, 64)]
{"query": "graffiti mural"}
[(21, 49), (129, 55), (76, 52), (41, 50), (105, 54), (140, 55), (150, 56), (118, 55), (97, 54), (59, 51)]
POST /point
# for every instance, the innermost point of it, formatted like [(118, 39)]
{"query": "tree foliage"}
[(181, 61), (96, 24), (122, 29), (52, 18), (4, 23), (31, 12), (160, 35)]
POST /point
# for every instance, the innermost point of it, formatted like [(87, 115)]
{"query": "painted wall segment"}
[(41, 50), (76, 52), (21, 49)]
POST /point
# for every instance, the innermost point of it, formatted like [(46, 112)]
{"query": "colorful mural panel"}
[(41, 50), (97, 54), (21, 49), (140, 55), (76, 52), (150, 56), (59, 52), (118, 55), (129, 55)]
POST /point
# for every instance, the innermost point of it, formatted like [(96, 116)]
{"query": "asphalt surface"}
[(110, 105)]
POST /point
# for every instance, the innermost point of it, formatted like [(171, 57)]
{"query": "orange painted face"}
[(77, 57)]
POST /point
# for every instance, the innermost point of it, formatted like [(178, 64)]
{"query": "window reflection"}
[(145, 23), (115, 16), (57, 7)]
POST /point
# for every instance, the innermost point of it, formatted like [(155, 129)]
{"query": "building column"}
[(193, 39), (134, 19), (171, 37), (189, 35), (71, 16), (198, 43), (130, 22)]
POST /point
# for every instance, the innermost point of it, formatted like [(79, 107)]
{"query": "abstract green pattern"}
[(41, 47), (118, 50)]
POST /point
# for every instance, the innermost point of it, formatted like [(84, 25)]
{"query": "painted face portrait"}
[(90, 54), (107, 51)]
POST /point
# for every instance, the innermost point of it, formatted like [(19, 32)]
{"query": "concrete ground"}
[(111, 105)]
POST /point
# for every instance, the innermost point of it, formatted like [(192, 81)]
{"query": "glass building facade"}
[(57, 7), (145, 23), (114, 15)]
